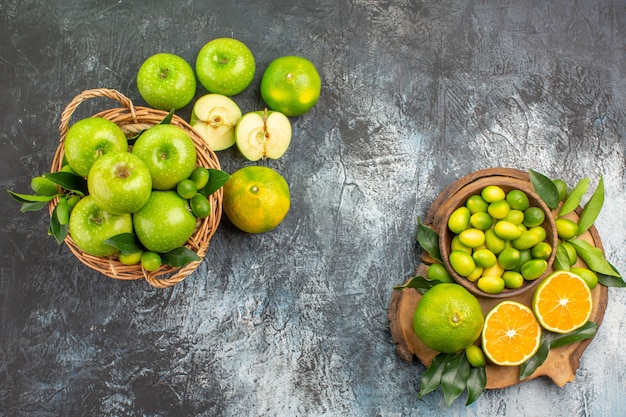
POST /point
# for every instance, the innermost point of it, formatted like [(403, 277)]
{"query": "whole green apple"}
[(90, 226), (225, 66), (168, 152), (165, 222), (90, 138), (119, 182), (166, 81)]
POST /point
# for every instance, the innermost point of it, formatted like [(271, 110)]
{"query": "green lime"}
[(509, 258), (590, 277), (518, 200), (515, 216), (561, 187), (493, 242), (499, 209), (132, 258), (533, 269), (462, 262), (475, 356), (533, 216), (484, 258), (200, 206), (541, 250), (492, 193), (455, 244), (476, 273), (186, 189), (459, 220), (491, 284), (481, 220), (507, 230), (200, 176), (476, 204), (438, 272), (43, 186), (495, 270), (539, 232), (566, 228), (512, 279), (472, 238), (526, 240), (524, 256), (571, 252), (150, 261)]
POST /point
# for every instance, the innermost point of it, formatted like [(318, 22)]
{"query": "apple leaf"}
[(179, 257), (69, 181), (31, 198), (126, 243), (168, 119), (217, 178)]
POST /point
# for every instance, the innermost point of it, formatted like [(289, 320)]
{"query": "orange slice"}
[(562, 302), (511, 334)]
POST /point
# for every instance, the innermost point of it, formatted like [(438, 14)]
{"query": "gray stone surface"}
[(294, 322)]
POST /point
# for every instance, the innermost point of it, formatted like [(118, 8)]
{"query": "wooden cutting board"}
[(561, 364)]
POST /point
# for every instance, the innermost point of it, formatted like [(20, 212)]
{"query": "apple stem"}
[(164, 73)]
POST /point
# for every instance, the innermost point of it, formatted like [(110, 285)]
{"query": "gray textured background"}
[(294, 322)]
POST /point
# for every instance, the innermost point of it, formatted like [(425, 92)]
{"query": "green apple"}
[(119, 182), (263, 134), (166, 81), (214, 116), (90, 226), (225, 66), (168, 152), (165, 222), (90, 138)]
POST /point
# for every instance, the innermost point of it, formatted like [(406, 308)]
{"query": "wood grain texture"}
[(294, 322)]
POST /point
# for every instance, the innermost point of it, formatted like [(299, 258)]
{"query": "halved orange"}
[(511, 334), (562, 302)]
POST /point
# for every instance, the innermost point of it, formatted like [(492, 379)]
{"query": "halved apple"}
[(214, 117), (263, 134)]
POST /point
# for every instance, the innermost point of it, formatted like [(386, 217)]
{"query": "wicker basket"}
[(133, 119)]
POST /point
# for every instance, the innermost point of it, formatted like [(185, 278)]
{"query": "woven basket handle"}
[(95, 93)]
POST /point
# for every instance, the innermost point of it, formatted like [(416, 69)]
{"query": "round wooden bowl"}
[(132, 120), (458, 199)]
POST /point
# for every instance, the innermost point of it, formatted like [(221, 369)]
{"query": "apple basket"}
[(132, 120)]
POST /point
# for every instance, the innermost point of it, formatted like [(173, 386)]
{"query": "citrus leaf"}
[(31, 198), (545, 189), (126, 243), (217, 178), (432, 377), (476, 383), (530, 366), (69, 181), (610, 281), (420, 283), (35, 206), (593, 257), (168, 119), (561, 260), (591, 210), (586, 332), (179, 257), (428, 239), (573, 199), (454, 377)]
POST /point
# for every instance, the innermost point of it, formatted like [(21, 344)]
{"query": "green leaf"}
[(62, 211), (585, 332), (217, 178), (561, 260), (125, 242), (593, 257), (168, 119), (454, 377), (432, 377), (530, 366), (545, 189), (420, 283), (58, 230), (428, 239), (592, 208), (573, 199), (610, 281), (69, 181), (179, 257), (476, 383), (31, 198), (35, 206)]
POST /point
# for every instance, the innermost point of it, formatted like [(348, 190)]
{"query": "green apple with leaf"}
[(225, 66), (90, 226), (90, 138), (168, 152), (166, 81), (119, 182)]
